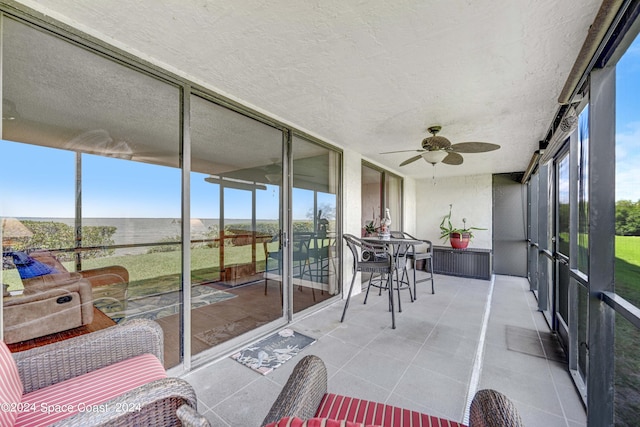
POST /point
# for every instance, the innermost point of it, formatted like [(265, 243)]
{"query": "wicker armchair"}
[(369, 257), (159, 401), (305, 396)]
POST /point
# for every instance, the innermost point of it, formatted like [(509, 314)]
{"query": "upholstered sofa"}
[(110, 284), (114, 376), (304, 401), (53, 303)]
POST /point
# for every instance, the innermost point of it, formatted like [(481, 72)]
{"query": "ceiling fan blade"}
[(411, 160), (402, 151), (474, 147), (453, 159)]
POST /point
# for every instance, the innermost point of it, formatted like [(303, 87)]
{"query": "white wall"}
[(351, 213), (471, 198), (425, 203)]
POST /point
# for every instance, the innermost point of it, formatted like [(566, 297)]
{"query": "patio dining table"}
[(391, 244)]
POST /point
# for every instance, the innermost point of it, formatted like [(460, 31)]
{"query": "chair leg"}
[(399, 283), (390, 287), (346, 303), (433, 290), (266, 272), (415, 293), (405, 273), (369, 287)]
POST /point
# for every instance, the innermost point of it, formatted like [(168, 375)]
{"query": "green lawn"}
[(160, 271), (627, 336), (628, 268)]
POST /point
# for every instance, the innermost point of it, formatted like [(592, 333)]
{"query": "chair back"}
[(368, 256), (300, 243), (401, 250), (413, 249)]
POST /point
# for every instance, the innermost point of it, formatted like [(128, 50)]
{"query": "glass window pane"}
[(314, 204), (371, 198), (393, 193), (236, 221), (583, 192), (100, 142), (563, 206)]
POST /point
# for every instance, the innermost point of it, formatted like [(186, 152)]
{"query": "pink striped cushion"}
[(363, 411), (313, 422), (61, 400), (10, 387)]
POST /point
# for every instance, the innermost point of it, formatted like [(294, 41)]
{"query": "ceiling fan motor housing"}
[(433, 143)]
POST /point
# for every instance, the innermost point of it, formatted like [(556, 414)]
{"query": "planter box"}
[(470, 262)]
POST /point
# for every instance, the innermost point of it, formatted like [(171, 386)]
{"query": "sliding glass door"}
[(236, 224), (316, 181)]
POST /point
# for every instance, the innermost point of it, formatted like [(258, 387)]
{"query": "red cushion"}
[(61, 400), (10, 387), (339, 407), (312, 422)]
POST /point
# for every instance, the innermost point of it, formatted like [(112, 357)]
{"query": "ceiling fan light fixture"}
[(435, 156)]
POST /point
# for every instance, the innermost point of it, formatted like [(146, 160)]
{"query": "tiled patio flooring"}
[(436, 356)]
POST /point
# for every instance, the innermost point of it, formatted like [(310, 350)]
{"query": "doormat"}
[(222, 333), (166, 304), (271, 352)]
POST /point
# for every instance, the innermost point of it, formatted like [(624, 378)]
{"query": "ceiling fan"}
[(436, 149)]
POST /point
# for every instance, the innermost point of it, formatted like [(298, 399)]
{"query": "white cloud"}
[(628, 162)]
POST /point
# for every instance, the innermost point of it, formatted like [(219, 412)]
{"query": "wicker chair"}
[(426, 255), (369, 258), (160, 402), (305, 396)]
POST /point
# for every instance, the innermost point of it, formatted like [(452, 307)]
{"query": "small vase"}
[(459, 240)]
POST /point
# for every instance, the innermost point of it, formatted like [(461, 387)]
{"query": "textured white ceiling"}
[(367, 75)]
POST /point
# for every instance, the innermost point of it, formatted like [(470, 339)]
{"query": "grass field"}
[(160, 271), (628, 268), (627, 336)]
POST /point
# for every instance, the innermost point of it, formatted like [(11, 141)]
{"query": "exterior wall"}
[(351, 213), (471, 197)]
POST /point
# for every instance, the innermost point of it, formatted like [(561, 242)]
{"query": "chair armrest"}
[(191, 418), (42, 295), (61, 285), (153, 404), (106, 275), (303, 392), (49, 280), (490, 408), (43, 366)]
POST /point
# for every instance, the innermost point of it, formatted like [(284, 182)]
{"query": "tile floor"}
[(431, 362)]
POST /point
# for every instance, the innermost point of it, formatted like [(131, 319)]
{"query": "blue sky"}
[(42, 182), (628, 124)]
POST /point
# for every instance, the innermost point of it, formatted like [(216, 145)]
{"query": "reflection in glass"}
[(95, 166), (583, 331), (314, 206), (393, 193), (371, 195), (236, 182), (563, 205), (583, 192)]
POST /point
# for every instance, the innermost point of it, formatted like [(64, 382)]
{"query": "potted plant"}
[(458, 237), (370, 228)]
